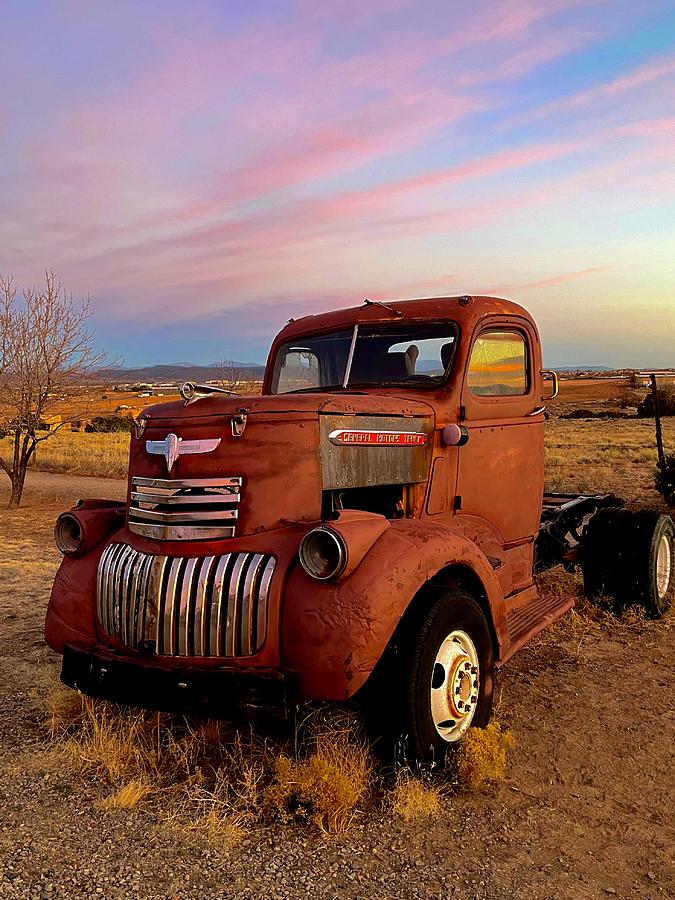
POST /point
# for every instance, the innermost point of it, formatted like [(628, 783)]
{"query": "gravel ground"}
[(587, 811)]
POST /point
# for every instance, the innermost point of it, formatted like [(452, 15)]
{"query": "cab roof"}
[(464, 309)]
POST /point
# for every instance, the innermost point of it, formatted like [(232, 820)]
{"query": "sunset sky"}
[(206, 170)]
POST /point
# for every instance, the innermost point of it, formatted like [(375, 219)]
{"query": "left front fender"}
[(333, 634)]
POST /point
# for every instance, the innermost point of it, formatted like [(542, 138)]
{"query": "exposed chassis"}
[(561, 531)]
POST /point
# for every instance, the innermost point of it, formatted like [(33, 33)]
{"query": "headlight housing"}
[(68, 534), (323, 553)]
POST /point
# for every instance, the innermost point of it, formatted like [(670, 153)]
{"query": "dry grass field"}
[(571, 797)]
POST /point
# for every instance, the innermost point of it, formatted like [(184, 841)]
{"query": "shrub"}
[(109, 424), (481, 758), (666, 399), (665, 479), (323, 788), (414, 800)]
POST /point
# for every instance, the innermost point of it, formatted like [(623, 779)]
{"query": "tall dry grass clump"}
[(327, 779), (481, 756), (415, 800)]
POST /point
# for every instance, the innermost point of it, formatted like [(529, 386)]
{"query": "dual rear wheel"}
[(629, 556)]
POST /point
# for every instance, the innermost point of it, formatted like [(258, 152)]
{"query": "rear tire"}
[(650, 558), (602, 552), (630, 556)]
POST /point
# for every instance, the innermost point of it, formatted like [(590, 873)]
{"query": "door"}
[(500, 476)]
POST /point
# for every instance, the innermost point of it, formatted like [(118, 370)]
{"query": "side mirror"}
[(549, 375)]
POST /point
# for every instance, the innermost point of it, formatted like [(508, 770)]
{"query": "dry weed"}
[(325, 785), (128, 795), (61, 708), (481, 756), (414, 800), (218, 829)]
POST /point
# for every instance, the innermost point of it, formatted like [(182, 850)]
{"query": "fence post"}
[(657, 423)]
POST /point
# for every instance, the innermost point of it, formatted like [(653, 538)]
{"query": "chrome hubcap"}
[(455, 684), (663, 566)]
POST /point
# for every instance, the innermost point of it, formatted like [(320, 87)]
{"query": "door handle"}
[(536, 412)]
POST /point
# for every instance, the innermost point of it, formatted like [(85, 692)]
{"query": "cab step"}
[(524, 621)]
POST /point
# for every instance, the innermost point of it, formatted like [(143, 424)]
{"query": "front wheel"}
[(449, 676)]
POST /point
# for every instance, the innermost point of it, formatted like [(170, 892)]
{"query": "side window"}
[(498, 364), (299, 370)]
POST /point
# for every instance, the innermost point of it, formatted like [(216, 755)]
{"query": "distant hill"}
[(179, 372), (583, 369)]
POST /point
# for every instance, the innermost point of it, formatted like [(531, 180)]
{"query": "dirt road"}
[(587, 811)]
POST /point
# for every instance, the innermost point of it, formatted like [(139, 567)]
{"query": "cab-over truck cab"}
[(367, 528)]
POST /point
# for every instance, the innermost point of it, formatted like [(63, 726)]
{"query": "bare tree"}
[(230, 374), (46, 354)]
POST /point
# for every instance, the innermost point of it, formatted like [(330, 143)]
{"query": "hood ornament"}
[(190, 391), (172, 447)]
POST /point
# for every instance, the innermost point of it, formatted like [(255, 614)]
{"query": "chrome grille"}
[(185, 606), (186, 509)]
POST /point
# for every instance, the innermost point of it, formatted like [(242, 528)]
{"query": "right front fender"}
[(333, 634)]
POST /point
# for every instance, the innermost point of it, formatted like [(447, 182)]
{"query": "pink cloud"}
[(553, 281), (641, 77)]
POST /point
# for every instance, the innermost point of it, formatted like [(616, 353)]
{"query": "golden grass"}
[(220, 780), (79, 453), (481, 756), (61, 708), (323, 788), (218, 828), (414, 800), (128, 795), (604, 455)]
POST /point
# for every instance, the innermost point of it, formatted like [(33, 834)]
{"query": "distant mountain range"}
[(583, 369), (178, 372)]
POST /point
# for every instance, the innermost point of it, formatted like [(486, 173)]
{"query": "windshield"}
[(415, 354)]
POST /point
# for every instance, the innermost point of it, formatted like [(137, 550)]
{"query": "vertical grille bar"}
[(186, 606), (167, 642), (217, 601), (202, 611), (120, 586), (261, 613), (109, 588), (246, 635), (140, 601), (152, 611), (229, 646), (101, 583), (134, 572)]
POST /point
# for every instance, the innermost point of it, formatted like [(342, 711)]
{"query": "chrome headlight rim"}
[(68, 534), (335, 553)]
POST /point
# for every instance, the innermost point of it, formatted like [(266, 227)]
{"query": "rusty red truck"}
[(369, 527)]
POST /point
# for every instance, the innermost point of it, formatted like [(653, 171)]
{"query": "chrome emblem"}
[(172, 447)]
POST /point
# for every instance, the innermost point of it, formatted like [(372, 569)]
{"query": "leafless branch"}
[(47, 355)]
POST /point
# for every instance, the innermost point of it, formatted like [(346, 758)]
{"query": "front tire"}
[(449, 676)]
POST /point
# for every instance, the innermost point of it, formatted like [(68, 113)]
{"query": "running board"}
[(523, 622)]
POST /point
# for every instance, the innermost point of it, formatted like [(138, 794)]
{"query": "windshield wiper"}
[(396, 312)]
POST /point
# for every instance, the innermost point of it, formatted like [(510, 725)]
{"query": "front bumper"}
[(226, 693)]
